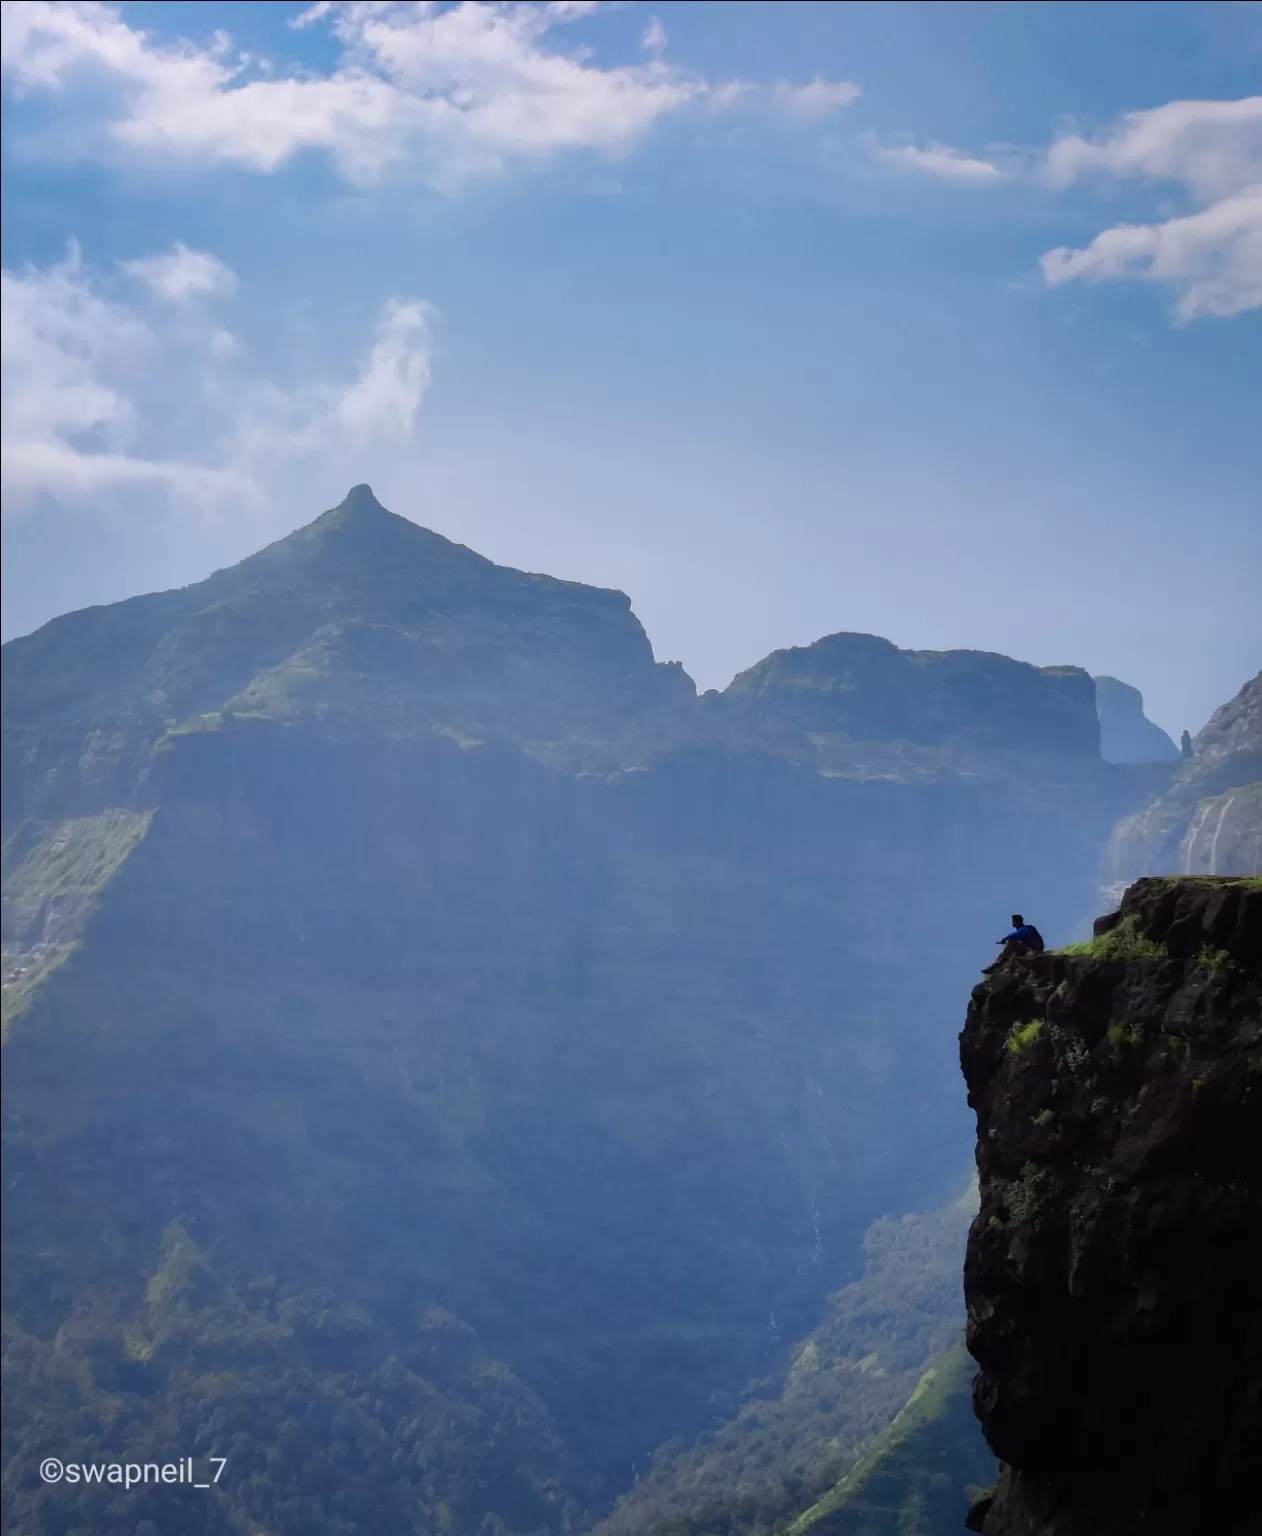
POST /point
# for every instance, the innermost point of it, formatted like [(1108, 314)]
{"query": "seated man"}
[(1025, 939)]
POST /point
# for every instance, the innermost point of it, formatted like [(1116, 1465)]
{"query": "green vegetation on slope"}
[(54, 874), (920, 1476), (826, 1414)]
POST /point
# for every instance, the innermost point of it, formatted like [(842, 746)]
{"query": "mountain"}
[(1127, 735), (361, 620), (446, 1060), (1208, 818), (860, 687), (1111, 1277)]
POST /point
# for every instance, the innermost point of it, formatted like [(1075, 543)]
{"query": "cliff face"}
[(1113, 1293), (1127, 735)]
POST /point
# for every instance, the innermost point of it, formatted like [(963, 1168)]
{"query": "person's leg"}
[(1010, 951)]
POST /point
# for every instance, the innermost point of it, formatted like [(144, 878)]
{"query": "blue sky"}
[(940, 322)]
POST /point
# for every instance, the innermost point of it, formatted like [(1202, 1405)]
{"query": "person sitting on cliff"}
[(1025, 939)]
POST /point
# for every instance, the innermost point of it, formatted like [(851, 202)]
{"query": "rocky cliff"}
[(1127, 735), (1112, 1285), (1207, 819)]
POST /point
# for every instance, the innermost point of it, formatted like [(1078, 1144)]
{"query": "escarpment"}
[(1112, 1285)]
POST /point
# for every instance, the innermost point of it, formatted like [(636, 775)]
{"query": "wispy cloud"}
[(180, 275), (939, 160), (93, 383), (394, 377), (450, 92), (1210, 257)]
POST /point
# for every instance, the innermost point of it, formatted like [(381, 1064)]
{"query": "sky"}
[(936, 321)]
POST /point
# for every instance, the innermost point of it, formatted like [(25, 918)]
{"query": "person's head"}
[(1017, 920)]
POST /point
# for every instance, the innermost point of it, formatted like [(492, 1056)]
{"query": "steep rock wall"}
[(1113, 1294)]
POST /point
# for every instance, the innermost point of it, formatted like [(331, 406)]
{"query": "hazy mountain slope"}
[(1208, 819), (361, 617), (864, 688), (377, 1074), (919, 1477), (824, 1414), (1127, 735)]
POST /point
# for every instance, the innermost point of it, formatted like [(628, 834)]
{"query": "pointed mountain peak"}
[(358, 506), (359, 499), (360, 524)]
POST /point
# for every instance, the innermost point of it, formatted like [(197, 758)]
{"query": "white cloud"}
[(817, 98), (394, 377), (938, 160), (1211, 258), (180, 275), (92, 385), (451, 92), (1213, 147), (654, 38)]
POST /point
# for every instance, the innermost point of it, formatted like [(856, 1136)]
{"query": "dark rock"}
[(1114, 1303), (975, 1520)]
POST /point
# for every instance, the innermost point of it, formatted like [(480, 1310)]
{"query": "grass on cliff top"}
[(1121, 944)]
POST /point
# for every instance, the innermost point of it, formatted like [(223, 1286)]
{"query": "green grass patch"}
[(1022, 1035), (1120, 945), (1216, 961)]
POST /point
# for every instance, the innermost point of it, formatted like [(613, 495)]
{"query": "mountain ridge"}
[(433, 1021)]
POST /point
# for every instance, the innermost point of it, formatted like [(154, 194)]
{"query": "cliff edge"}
[(1114, 1299)]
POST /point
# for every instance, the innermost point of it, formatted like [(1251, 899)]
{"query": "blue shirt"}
[(1024, 934)]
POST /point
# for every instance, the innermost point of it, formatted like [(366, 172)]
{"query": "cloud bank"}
[(449, 93)]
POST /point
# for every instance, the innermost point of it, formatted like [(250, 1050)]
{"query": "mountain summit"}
[(362, 621)]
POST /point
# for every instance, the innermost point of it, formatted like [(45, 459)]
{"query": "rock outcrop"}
[(1127, 735), (1113, 1293)]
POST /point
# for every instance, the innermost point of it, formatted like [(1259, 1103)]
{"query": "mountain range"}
[(450, 1066)]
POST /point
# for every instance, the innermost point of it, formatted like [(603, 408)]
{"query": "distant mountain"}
[(359, 619), (863, 688), (1127, 735), (1208, 819), (445, 1059), (1233, 727)]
